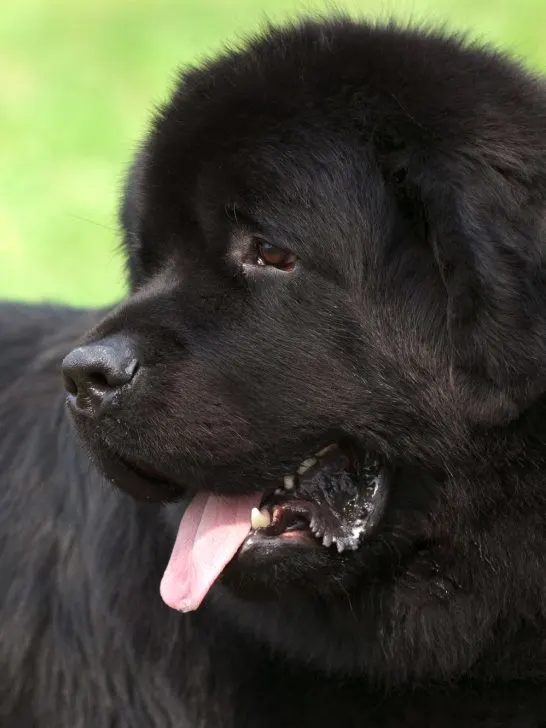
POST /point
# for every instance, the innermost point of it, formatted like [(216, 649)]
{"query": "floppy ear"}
[(487, 229)]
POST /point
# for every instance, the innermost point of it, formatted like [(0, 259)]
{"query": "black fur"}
[(408, 173)]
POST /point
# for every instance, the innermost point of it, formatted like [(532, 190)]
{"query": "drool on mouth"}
[(335, 495)]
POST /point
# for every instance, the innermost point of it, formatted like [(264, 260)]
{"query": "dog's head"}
[(335, 247)]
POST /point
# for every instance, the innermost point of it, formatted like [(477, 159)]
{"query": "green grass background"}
[(78, 81)]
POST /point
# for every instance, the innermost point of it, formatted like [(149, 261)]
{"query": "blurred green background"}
[(78, 81)]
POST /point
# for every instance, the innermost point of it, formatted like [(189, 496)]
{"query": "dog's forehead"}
[(302, 181), (272, 174)]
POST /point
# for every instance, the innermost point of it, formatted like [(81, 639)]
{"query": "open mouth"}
[(335, 495)]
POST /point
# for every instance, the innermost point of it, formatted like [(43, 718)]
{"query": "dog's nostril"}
[(98, 380), (70, 385), (104, 380)]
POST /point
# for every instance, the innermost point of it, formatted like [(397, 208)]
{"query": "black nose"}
[(95, 373)]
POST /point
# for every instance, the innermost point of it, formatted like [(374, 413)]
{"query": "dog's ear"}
[(486, 225)]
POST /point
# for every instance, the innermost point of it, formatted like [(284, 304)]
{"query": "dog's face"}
[(326, 299)]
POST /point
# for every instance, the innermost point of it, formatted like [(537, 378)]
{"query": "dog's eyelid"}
[(241, 218)]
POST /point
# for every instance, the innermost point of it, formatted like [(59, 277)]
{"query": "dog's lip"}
[(298, 517), (142, 483), (146, 482), (144, 471)]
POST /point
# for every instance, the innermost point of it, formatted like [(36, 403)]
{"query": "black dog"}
[(334, 351)]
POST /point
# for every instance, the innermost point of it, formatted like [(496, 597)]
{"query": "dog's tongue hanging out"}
[(341, 503), (210, 533)]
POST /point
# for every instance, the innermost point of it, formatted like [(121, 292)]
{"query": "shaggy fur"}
[(408, 173)]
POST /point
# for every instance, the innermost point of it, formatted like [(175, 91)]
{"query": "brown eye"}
[(273, 256)]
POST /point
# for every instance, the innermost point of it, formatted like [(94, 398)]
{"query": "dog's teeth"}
[(279, 491), (306, 464), (325, 450), (259, 519), (327, 540), (289, 482), (340, 547)]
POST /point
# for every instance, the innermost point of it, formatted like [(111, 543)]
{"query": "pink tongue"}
[(210, 533)]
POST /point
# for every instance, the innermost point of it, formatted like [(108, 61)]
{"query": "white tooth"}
[(259, 519), (325, 450), (327, 540), (289, 482), (279, 491), (306, 464)]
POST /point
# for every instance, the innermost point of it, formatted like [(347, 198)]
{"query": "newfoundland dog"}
[(322, 406)]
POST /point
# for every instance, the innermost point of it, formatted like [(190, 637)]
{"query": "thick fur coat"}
[(407, 173)]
